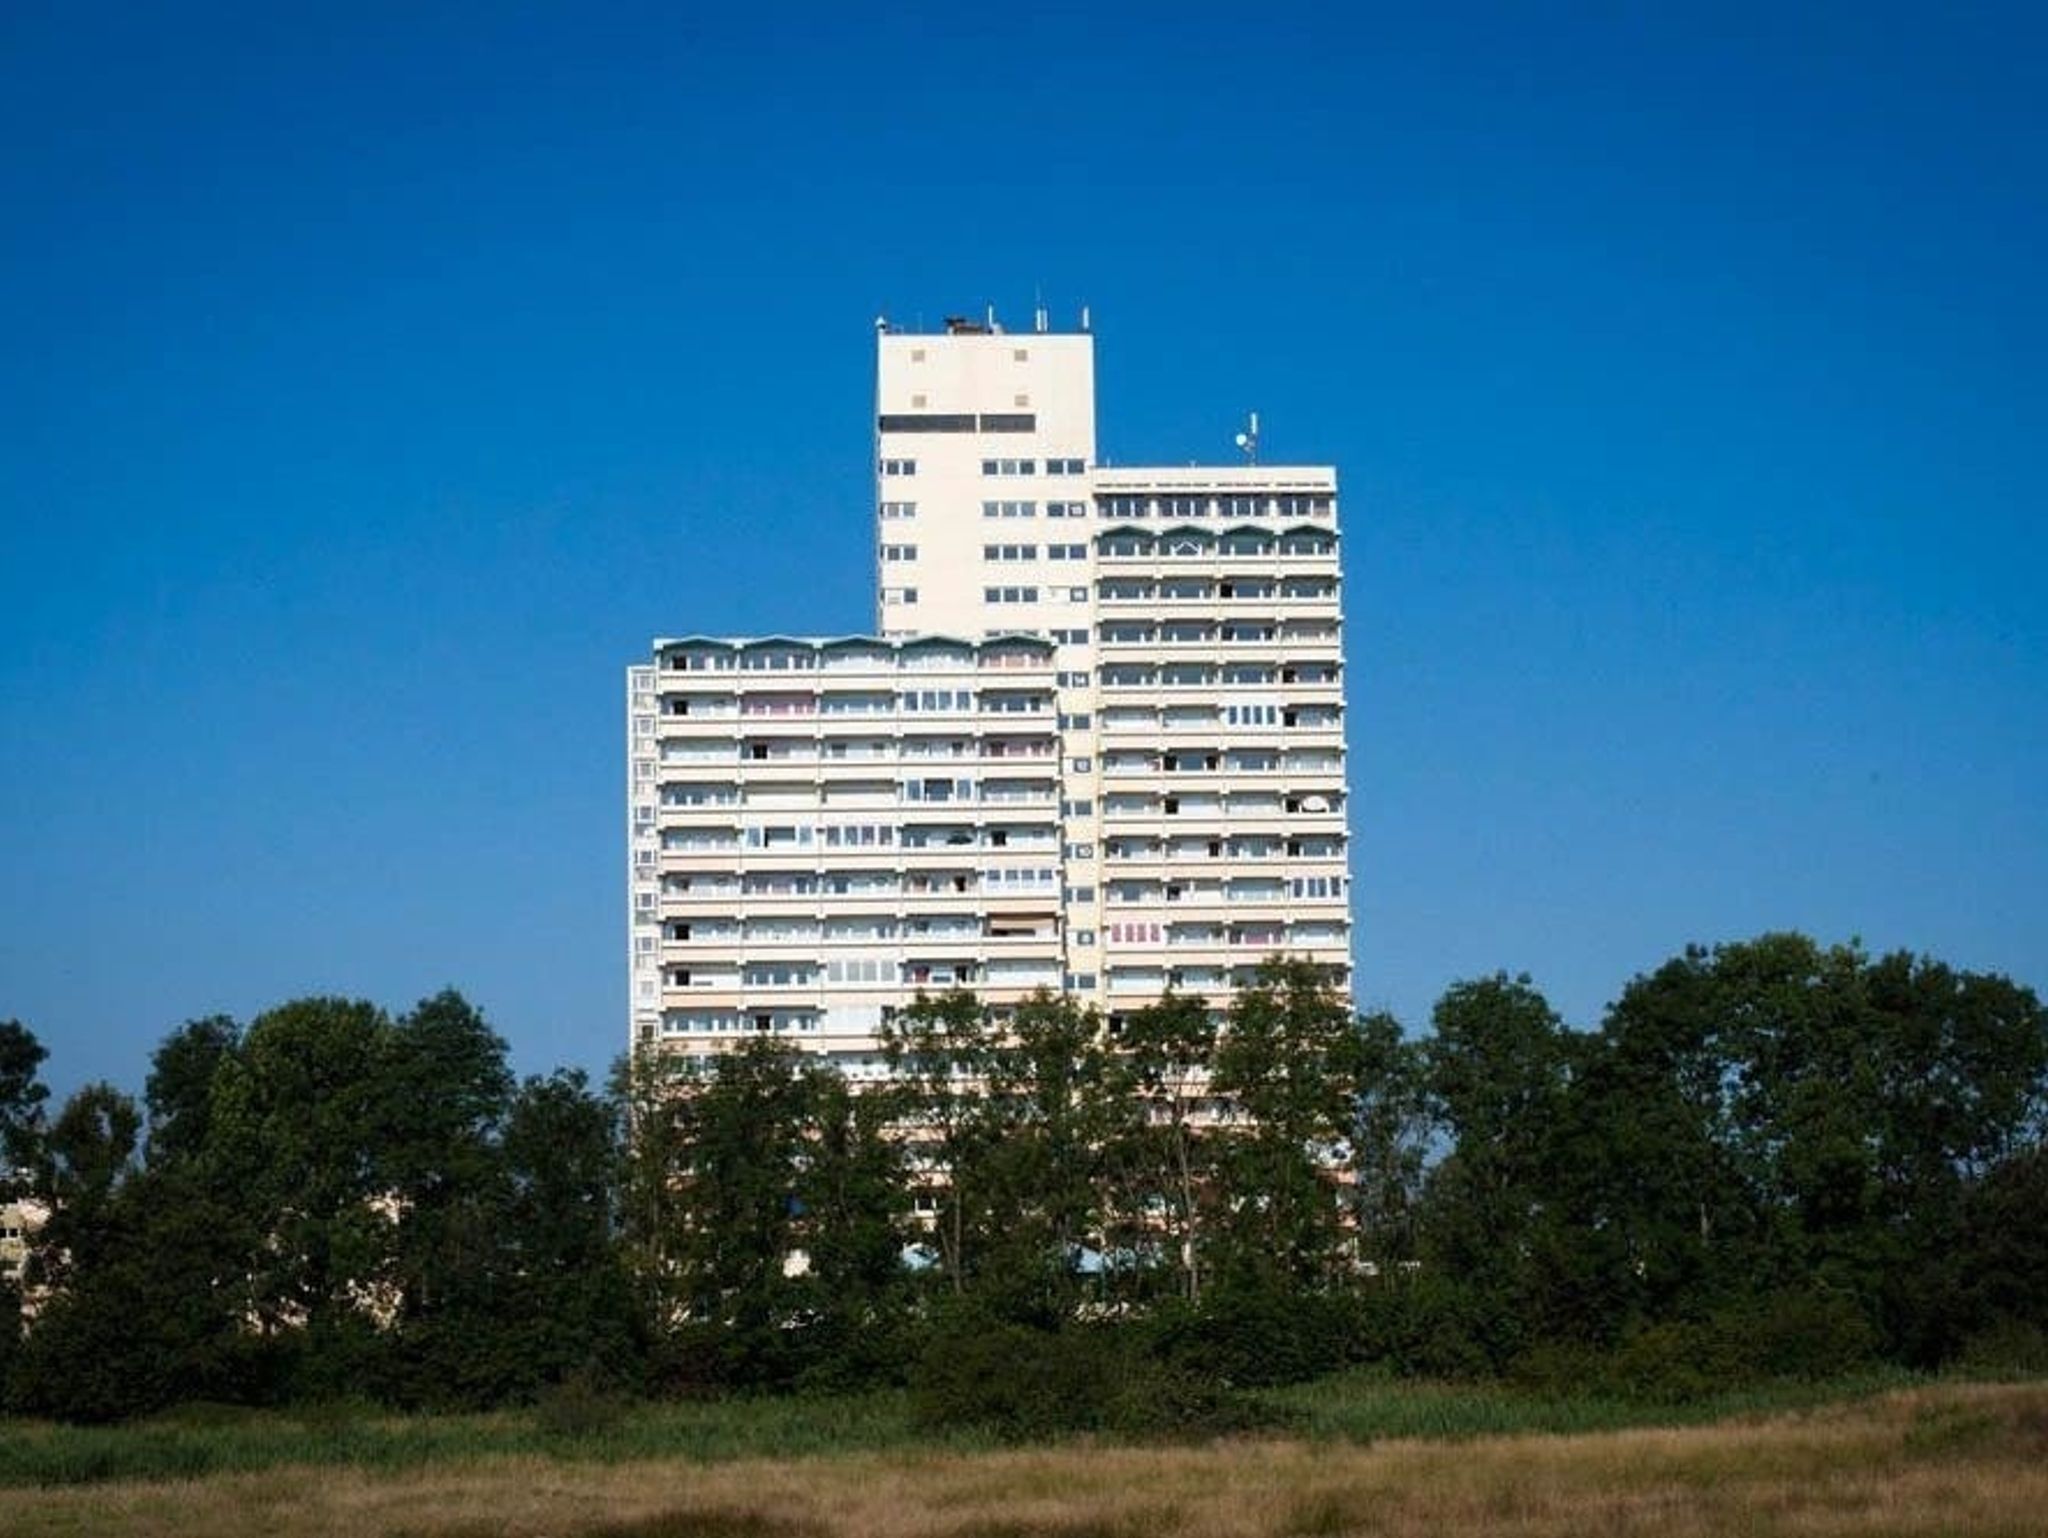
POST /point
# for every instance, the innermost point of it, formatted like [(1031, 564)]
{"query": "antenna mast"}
[(1248, 440)]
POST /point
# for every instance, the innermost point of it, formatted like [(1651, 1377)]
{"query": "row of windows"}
[(1239, 543), (1249, 891), (1186, 589), (1006, 701), (680, 1024), (956, 422), (924, 659), (920, 926), (1030, 467), (1009, 509), (1233, 506), (798, 883), (1138, 632), (1031, 552), (806, 836), (1181, 675)]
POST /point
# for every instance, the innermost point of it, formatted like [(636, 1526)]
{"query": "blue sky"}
[(375, 382)]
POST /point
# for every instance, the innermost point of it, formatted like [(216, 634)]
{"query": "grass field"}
[(1968, 1459)]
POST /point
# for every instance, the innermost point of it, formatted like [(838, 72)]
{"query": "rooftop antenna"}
[(1084, 317), (1248, 440), (1039, 320), (993, 328)]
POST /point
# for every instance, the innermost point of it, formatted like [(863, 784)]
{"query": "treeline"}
[(1770, 1158)]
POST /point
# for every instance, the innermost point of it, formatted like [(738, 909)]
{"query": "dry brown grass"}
[(1946, 1460)]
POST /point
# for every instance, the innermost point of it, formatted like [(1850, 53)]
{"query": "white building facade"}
[(1097, 743)]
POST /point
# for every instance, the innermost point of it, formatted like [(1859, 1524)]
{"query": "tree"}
[(940, 1052), (1677, 1199), (1290, 1065), (298, 1117), (647, 1095), (1045, 1104), (97, 1351), (1389, 1139), (1497, 1072), (89, 1149), (570, 1308), (744, 1133), (22, 1094), (1961, 1080), (180, 1089), (442, 1094), (853, 1206), (1161, 1144), (1772, 1119)]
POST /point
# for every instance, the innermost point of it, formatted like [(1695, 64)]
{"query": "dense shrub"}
[(581, 1405), (1022, 1384), (1795, 1336), (1248, 1337), (2007, 1346)]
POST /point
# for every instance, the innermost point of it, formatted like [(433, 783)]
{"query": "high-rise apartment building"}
[(1097, 744)]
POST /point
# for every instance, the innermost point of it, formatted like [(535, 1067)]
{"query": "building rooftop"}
[(879, 643)]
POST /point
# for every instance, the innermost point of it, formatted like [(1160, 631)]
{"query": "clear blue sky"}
[(375, 381)]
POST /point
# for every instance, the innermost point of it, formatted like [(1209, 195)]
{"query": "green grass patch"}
[(1369, 1405), (189, 1444), (1361, 1407)]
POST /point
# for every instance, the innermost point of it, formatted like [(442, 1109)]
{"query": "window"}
[(1009, 552), (1064, 466), (1009, 509), (1066, 509), (1083, 765), (1009, 467), (1079, 722), (1073, 680), (896, 595), (899, 552), (936, 699), (899, 467), (1317, 886), (1071, 637), (899, 509), (1082, 807), (1063, 552), (926, 422), (1009, 595), (1084, 937)]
